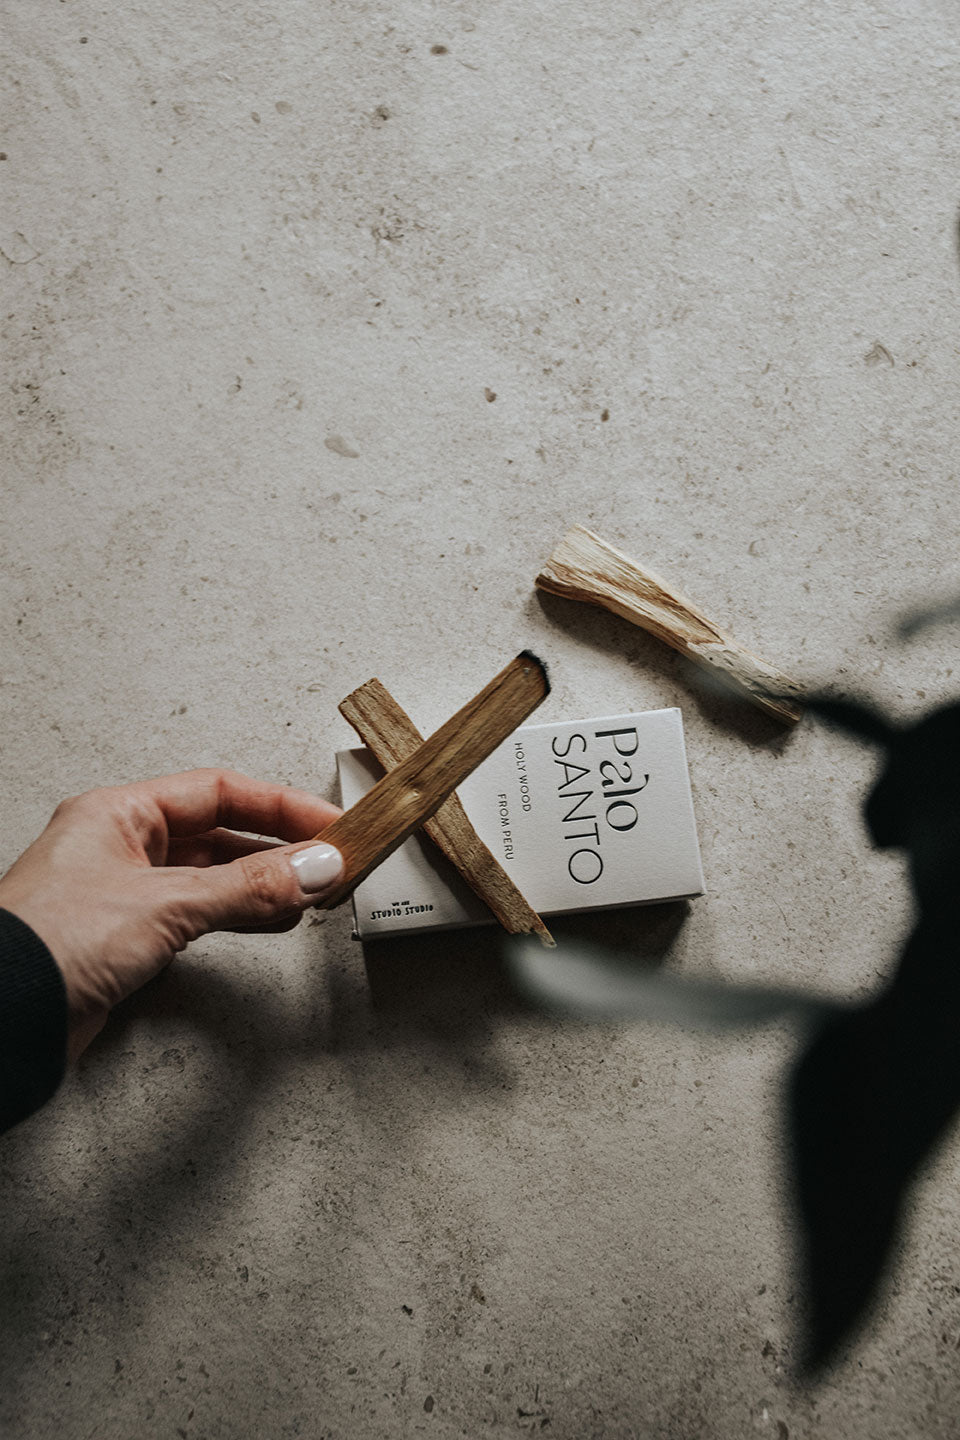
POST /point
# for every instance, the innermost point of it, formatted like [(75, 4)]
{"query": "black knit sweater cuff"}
[(33, 1021)]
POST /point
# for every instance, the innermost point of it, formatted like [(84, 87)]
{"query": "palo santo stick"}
[(584, 567), (399, 803), (391, 735)]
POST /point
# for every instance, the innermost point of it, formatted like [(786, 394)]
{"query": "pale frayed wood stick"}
[(389, 733), (584, 567), (399, 803)]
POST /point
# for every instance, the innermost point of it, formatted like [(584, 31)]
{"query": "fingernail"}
[(318, 868)]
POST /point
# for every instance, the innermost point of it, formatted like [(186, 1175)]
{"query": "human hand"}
[(124, 877)]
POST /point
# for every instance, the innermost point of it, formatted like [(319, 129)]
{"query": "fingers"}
[(197, 801), (273, 927), (256, 890), (216, 847)]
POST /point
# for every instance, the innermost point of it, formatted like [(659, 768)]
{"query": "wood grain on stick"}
[(387, 730), (584, 567), (399, 803)]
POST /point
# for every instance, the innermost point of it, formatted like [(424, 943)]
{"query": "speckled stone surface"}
[(320, 324)]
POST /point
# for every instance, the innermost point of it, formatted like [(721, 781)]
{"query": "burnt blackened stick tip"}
[(541, 666)]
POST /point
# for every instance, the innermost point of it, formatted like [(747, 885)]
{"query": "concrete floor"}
[(264, 264)]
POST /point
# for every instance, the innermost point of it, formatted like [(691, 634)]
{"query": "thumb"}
[(265, 886)]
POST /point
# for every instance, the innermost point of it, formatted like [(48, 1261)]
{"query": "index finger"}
[(199, 800)]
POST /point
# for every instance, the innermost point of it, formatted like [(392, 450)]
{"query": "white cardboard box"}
[(582, 815)]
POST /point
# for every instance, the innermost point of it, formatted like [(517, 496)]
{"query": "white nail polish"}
[(318, 868)]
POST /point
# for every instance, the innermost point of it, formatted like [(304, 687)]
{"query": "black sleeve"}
[(33, 1021)]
